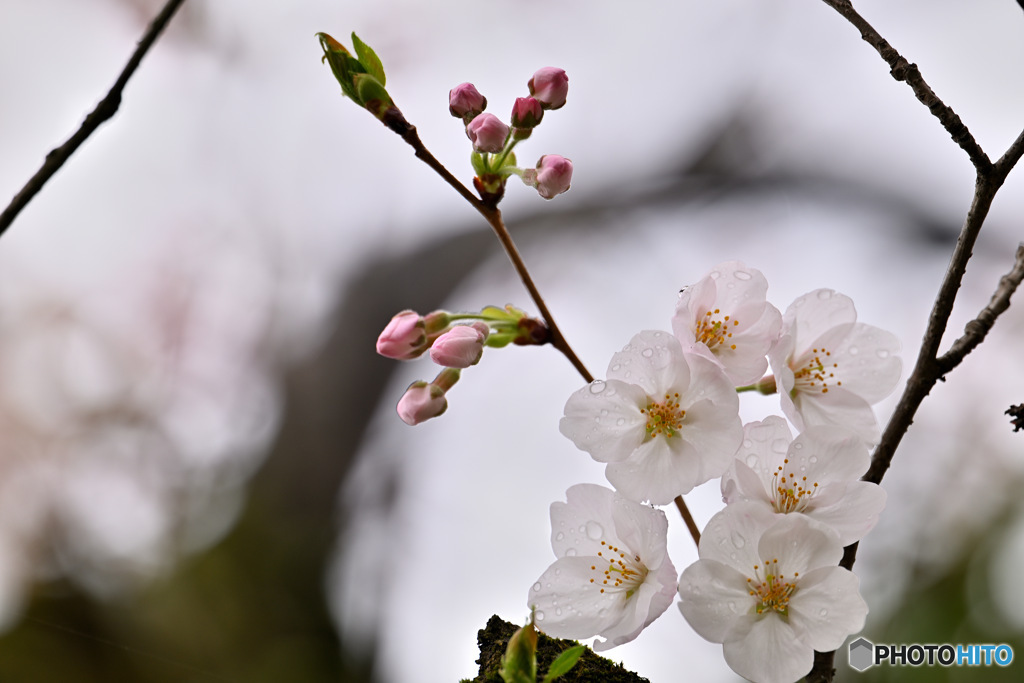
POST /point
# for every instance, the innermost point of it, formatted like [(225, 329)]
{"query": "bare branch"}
[(104, 111), (902, 70), (975, 330)]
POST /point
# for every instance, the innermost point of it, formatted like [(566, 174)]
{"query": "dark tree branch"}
[(975, 330), (104, 111), (902, 70)]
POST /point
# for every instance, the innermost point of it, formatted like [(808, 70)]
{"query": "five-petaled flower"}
[(769, 590), (664, 420), (829, 369), (726, 317), (613, 576), (816, 474)]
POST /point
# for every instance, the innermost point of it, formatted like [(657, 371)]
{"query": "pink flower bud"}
[(460, 346), (552, 177), (488, 133), (526, 112), (465, 101), (549, 85), (403, 338), (421, 402)]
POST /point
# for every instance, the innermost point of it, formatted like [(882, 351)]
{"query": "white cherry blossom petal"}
[(604, 419), (828, 607), (770, 653)]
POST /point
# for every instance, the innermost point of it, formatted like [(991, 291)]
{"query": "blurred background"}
[(202, 476)]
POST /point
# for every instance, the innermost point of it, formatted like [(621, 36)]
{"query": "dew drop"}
[(882, 353), (714, 275), (560, 536), (751, 461), (594, 530), (747, 443), (621, 421), (823, 613), (537, 587), (583, 528), (741, 275), (616, 367), (538, 615), (780, 446), (738, 540), (732, 606), (571, 552), (558, 612), (824, 294), (798, 446), (604, 411), (558, 572), (853, 350), (597, 387), (647, 353), (813, 459)]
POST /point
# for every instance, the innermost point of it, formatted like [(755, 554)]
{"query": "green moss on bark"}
[(590, 669)]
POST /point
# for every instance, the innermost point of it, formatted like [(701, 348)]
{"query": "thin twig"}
[(902, 70), (104, 111), (407, 131), (975, 330), (688, 519)]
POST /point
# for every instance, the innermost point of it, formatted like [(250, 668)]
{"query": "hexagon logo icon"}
[(862, 654)]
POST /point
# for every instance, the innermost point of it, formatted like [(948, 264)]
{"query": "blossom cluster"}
[(455, 341), (494, 140), (665, 419)]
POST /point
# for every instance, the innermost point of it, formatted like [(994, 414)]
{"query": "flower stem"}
[(688, 518)]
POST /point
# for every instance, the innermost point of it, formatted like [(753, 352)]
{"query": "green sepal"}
[(372, 94), (510, 313), (519, 664), (500, 339), (477, 160), (369, 59), (510, 160), (564, 663)]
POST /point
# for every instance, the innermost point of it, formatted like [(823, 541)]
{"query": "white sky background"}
[(232, 138)]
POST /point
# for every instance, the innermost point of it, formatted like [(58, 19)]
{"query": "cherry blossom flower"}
[(816, 474), (613, 576), (769, 590), (664, 420), (725, 315), (829, 369)]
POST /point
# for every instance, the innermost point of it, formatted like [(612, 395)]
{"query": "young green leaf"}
[(369, 59), (564, 663)]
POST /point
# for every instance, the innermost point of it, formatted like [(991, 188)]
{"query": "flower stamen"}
[(771, 589), (664, 418), (816, 372), (713, 332), (790, 493)]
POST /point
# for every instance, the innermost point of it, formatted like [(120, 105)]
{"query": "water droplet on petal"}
[(882, 353), (824, 294), (558, 612), (714, 275), (798, 446), (597, 387), (583, 528), (732, 606), (595, 531), (571, 552), (538, 615), (853, 350), (621, 421), (741, 275), (537, 587), (647, 353), (813, 459), (558, 572), (823, 613), (738, 540), (560, 536), (751, 461), (747, 443)]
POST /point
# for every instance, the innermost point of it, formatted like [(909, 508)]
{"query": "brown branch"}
[(397, 123), (975, 330), (691, 525), (902, 70), (104, 111)]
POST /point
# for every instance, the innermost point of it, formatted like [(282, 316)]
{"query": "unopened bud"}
[(465, 101), (551, 177), (488, 133), (550, 86), (526, 112), (404, 338), (461, 346), (421, 402)]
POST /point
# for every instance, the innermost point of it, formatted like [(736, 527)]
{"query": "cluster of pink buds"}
[(455, 341), (494, 140)]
